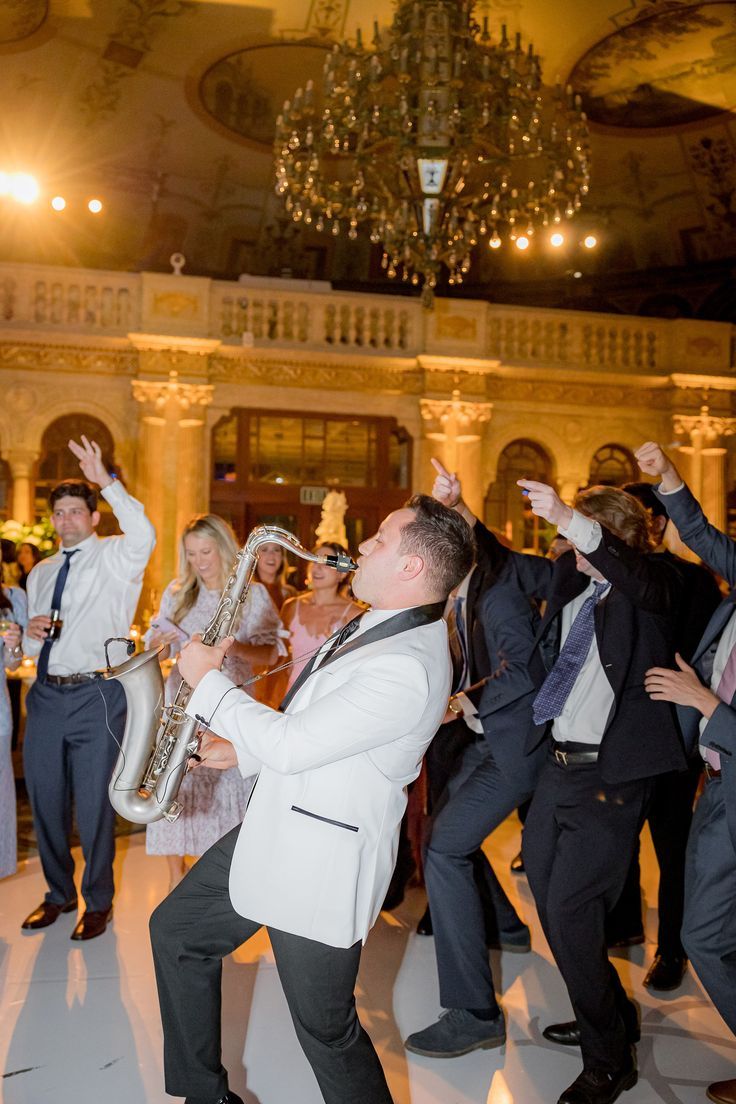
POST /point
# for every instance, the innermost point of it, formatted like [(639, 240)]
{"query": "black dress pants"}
[(578, 841), (69, 751), (670, 815), (192, 931)]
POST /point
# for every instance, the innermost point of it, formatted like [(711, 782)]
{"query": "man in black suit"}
[(494, 777), (671, 806), (705, 695), (609, 611)]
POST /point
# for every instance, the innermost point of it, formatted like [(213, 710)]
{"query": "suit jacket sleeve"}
[(714, 548), (508, 625), (720, 731), (646, 580), (378, 705), (531, 574)]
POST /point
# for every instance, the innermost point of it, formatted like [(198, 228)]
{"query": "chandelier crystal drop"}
[(437, 138)]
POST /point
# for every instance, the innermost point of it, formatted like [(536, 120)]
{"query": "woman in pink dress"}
[(214, 801), (314, 615)]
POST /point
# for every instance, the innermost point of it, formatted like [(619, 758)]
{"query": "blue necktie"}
[(43, 660), (556, 688), (458, 645)]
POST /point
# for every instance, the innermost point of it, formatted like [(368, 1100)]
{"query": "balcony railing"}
[(90, 302)]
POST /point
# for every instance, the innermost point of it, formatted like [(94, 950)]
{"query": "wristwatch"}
[(455, 706)]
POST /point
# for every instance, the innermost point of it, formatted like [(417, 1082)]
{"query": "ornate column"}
[(172, 465), (22, 463), (706, 459), (454, 424)]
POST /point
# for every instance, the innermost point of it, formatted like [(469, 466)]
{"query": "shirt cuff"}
[(583, 532), (659, 490)]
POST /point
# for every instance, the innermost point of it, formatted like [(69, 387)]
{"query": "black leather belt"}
[(711, 772), (571, 758), (72, 680)]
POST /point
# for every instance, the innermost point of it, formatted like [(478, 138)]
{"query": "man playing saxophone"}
[(314, 855)]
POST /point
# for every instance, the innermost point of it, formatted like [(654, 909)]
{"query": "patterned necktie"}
[(556, 688), (458, 644), (725, 691), (43, 660)]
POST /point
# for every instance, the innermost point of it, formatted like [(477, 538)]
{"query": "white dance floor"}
[(79, 1021)]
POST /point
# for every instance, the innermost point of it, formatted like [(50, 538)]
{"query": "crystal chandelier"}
[(436, 138)]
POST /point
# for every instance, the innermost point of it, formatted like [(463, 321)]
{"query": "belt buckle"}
[(561, 756)]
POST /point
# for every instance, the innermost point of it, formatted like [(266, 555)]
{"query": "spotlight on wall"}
[(590, 242), (95, 206), (58, 203), (522, 242), (557, 239)]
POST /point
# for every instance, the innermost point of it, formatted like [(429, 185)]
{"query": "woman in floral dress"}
[(213, 801)]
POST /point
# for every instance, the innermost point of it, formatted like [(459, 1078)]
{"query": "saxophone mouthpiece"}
[(341, 562)]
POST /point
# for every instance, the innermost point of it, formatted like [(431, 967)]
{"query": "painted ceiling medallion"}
[(244, 91), (20, 19), (664, 70)]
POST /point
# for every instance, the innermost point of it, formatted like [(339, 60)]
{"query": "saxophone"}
[(159, 739)]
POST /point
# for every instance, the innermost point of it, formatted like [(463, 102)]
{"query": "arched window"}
[(506, 509), (611, 466), (57, 462)]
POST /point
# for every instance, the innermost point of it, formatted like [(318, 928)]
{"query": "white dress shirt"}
[(585, 715), (101, 592)]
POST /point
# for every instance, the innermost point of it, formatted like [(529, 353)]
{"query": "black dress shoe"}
[(665, 973), (92, 924), (517, 864), (568, 1034), (632, 940), (595, 1086), (424, 927), (230, 1098), (47, 913)]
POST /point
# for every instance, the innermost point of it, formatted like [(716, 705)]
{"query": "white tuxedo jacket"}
[(317, 846)]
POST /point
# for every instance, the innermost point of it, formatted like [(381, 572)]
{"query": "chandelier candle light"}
[(435, 139)]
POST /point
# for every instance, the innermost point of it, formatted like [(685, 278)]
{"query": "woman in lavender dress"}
[(13, 617), (213, 801)]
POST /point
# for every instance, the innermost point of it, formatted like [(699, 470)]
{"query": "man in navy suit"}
[(705, 696)]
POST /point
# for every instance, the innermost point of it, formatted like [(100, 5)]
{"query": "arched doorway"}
[(57, 463), (611, 466), (506, 508)]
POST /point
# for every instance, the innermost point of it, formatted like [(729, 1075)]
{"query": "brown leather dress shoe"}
[(722, 1092), (46, 914), (92, 924)]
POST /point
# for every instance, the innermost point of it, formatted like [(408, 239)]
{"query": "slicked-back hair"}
[(74, 488), (443, 539), (620, 512)]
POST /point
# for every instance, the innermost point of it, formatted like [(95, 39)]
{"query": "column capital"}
[(705, 427), (159, 393), (455, 416), (20, 459)]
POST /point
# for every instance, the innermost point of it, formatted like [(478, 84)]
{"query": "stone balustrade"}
[(266, 315)]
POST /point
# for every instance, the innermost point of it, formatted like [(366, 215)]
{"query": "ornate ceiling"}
[(165, 108)]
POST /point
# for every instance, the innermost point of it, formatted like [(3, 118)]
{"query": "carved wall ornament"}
[(35, 356), (161, 392), (170, 304), (705, 426), (318, 374), (455, 416)]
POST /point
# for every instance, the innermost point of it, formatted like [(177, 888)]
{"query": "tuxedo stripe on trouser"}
[(192, 931), (578, 841), (709, 927)]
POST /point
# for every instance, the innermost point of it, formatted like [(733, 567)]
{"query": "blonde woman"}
[(214, 801)]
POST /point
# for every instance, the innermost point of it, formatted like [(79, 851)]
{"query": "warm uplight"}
[(522, 243), (58, 203), (24, 188), (4, 183), (95, 206), (557, 240), (590, 242)]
